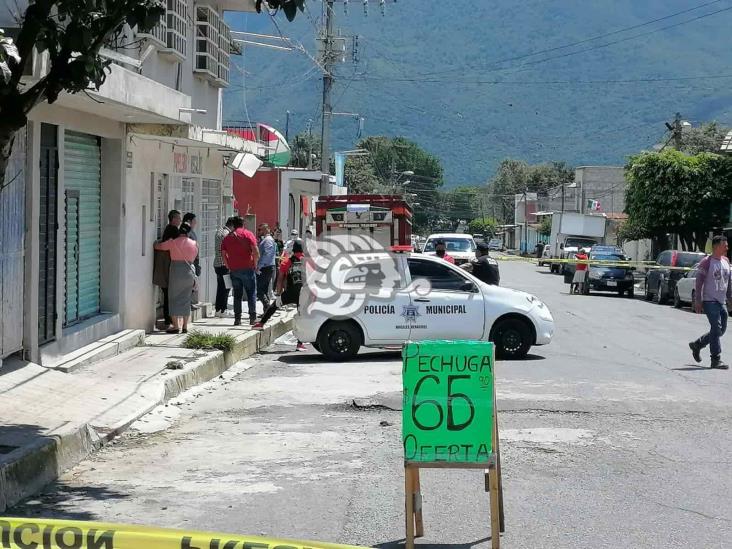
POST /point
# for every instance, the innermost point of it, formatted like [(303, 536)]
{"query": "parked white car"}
[(459, 245), (684, 292), (685, 289), (396, 307)]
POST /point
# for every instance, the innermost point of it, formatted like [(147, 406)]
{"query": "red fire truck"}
[(385, 218)]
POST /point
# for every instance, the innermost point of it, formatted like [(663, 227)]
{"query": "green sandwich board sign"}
[(448, 409)]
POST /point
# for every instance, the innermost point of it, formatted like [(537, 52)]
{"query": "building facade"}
[(98, 174)]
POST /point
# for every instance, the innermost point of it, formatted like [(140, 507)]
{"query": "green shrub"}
[(203, 340)]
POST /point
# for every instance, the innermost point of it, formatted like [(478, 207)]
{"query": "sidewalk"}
[(51, 420)]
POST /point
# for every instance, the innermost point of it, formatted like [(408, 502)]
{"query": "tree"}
[(671, 192), (303, 146), (545, 227), (483, 225), (516, 176), (289, 7), (707, 137), (70, 33), (383, 171)]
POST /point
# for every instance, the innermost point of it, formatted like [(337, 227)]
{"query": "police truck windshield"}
[(452, 245)]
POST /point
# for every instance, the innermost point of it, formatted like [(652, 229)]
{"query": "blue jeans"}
[(244, 280), (717, 315)]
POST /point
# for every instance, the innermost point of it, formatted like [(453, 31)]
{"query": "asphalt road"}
[(611, 437)]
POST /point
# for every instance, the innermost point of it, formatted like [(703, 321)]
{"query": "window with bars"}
[(208, 23), (211, 215), (176, 29), (161, 204), (224, 54), (188, 194)]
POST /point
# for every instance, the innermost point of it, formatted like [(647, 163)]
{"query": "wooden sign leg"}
[(498, 469), (495, 509), (409, 505), (418, 523)]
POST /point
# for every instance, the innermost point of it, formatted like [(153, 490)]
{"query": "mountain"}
[(463, 79)]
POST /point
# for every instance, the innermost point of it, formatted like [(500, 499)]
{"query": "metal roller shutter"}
[(82, 173)]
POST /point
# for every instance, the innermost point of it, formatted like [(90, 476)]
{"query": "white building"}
[(101, 171)]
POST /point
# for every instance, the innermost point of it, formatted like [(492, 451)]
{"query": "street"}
[(611, 436)]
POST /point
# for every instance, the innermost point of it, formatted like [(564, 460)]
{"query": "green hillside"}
[(448, 77)]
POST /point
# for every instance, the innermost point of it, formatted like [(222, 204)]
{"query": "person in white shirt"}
[(294, 235)]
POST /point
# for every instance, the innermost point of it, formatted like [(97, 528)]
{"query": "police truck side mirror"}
[(468, 287)]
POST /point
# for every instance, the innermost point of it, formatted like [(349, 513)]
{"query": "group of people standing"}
[(176, 270)]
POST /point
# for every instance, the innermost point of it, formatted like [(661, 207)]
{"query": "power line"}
[(586, 40), (554, 82)]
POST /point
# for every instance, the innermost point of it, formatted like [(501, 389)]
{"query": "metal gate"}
[(72, 257), (47, 231), (12, 227), (82, 173), (210, 216)]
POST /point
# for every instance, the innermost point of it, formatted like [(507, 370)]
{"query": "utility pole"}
[(676, 129), (327, 87), (526, 221), (287, 128)]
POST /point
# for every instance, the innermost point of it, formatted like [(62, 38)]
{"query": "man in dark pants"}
[(483, 267), (170, 232), (241, 254), (266, 264), (289, 285), (222, 292), (712, 294)]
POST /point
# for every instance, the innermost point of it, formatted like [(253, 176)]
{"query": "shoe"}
[(258, 326), (717, 364), (300, 347), (695, 351), (237, 322), (253, 319), (184, 330), (172, 331)]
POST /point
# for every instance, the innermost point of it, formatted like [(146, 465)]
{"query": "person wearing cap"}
[(294, 235), (483, 267)]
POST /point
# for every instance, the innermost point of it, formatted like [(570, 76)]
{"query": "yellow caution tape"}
[(650, 265), (19, 533)]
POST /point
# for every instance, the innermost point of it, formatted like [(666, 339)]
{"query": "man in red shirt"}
[(241, 253), (441, 251)]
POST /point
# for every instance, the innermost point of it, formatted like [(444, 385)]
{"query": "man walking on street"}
[(266, 264), (222, 292), (241, 255), (712, 294)]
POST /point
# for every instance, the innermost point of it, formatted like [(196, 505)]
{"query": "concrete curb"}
[(29, 469)]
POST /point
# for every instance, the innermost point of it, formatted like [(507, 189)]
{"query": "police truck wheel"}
[(339, 341), (512, 338)]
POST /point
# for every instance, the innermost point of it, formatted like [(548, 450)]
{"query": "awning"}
[(196, 136)]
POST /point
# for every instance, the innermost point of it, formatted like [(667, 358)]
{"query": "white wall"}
[(152, 155)]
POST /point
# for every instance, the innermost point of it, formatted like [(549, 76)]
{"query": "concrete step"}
[(102, 349)]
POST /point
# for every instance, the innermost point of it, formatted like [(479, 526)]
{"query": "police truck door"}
[(453, 309)]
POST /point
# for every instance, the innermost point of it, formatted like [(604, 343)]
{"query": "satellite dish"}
[(246, 163)]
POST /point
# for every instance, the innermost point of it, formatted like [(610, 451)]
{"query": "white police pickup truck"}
[(381, 299)]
